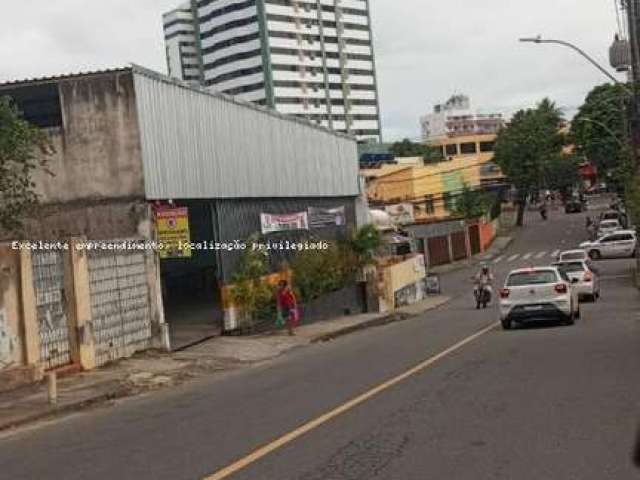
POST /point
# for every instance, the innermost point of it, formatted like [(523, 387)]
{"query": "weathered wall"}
[(93, 183), (11, 346), (98, 147), (94, 220)]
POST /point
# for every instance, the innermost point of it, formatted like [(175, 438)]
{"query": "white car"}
[(608, 226), (621, 244), (538, 293), (588, 282), (573, 255)]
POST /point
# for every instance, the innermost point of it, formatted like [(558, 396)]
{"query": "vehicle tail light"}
[(504, 293), (588, 277), (561, 288)]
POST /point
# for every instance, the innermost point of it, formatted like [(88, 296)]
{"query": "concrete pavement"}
[(551, 402), (152, 371)]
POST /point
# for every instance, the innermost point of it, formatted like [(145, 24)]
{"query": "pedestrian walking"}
[(589, 222), (287, 306)]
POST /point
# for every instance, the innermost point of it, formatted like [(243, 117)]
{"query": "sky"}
[(426, 50)]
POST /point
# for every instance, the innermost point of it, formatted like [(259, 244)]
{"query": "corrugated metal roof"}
[(198, 144), (56, 78), (245, 103)]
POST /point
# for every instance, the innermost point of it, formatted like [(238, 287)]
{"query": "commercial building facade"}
[(130, 143), (312, 59), (430, 190)]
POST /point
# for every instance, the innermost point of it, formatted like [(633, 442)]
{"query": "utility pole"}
[(633, 10)]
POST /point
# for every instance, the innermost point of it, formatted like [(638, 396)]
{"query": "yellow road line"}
[(315, 423)]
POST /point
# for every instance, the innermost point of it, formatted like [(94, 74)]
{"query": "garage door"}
[(438, 251)]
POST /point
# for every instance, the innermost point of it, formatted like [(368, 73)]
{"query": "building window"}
[(449, 201), (468, 148), (487, 146), (430, 205), (451, 149)]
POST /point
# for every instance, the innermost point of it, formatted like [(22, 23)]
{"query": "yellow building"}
[(432, 188)]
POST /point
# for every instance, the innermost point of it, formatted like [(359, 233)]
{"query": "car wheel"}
[(595, 254), (506, 324)]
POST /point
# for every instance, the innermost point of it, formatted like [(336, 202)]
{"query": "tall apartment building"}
[(455, 118), (313, 59)]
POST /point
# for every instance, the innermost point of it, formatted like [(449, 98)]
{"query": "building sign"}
[(322, 217), (173, 232), (401, 214), (284, 222)]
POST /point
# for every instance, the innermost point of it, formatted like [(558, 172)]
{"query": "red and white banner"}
[(284, 222)]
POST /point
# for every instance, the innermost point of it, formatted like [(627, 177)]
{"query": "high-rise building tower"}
[(313, 59)]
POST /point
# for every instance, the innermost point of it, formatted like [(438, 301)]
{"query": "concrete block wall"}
[(23, 329)]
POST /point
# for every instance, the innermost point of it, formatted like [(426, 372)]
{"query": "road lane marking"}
[(555, 253), (344, 408), (541, 254), (527, 256), (513, 257), (499, 259)]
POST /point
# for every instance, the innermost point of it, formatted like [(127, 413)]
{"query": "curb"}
[(376, 322), (57, 411), (123, 392)]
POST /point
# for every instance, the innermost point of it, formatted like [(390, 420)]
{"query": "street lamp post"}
[(539, 39)]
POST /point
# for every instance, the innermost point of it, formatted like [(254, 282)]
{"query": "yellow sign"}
[(173, 232)]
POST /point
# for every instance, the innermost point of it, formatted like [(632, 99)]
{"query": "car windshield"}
[(609, 224), (536, 277), (571, 267), (610, 216), (573, 256)]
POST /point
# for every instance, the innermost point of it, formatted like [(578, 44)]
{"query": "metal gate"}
[(119, 303), (474, 239), (53, 326), (459, 245), (438, 251)]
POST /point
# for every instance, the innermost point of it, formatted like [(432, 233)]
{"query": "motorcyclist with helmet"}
[(483, 289)]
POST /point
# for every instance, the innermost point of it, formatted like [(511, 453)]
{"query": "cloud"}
[(425, 50)]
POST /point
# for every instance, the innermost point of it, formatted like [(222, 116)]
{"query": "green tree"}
[(318, 272), (363, 244), (250, 292), (23, 149), (471, 204), (562, 173), (599, 128), (407, 148), (526, 148)]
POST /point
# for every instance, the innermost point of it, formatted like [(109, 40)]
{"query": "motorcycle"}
[(482, 294)]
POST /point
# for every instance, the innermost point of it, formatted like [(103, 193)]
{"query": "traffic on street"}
[(539, 401)]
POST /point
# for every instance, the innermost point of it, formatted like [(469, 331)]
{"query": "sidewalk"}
[(152, 370)]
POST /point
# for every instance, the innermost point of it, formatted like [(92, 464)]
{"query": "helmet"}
[(485, 268)]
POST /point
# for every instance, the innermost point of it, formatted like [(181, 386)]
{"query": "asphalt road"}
[(550, 402)]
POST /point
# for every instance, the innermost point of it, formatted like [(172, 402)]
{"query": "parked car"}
[(538, 293), (608, 226), (611, 215), (588, 282), (620, 244), (574, 206)]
